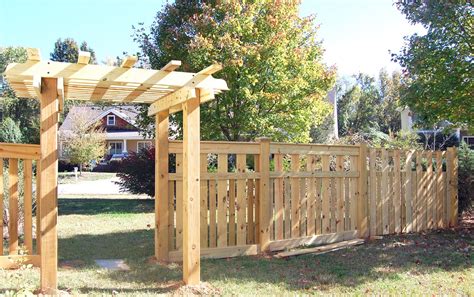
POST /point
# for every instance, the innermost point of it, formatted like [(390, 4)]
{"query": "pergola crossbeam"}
[(33, 54), (171, 66), (129, 62), (83, 58)]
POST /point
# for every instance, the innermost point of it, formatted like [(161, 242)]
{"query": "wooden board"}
[(241, 207), (264, 194), (408, 192), (232, 225), (295, 198), (326, 191), (362, 217), (279, 208), (28, 205), (191, 192), (204, 201), (179, 203), (279, 245), (287, 223), (222, 167), (250, 212), (13, 207), (212, 214), (340, 205), (162, 198), (49, 184), (354, 194), (222, 252), (397, 190), (385, 192), (311, 166), (373, 192), (321, 249)]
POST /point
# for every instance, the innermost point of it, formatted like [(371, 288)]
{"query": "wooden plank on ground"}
[(13, 206), (241, 207), (326, 192), (279, 208), (385, 193), (295, 198), (28, 205), (279, 245), (222, 167), (321, 249), (222, 252)]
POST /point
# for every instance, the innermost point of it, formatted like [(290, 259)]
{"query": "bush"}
[(9, 131), (465, 177), (137, 172)]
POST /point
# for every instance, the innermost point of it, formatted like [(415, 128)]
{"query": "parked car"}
[(118, 157)]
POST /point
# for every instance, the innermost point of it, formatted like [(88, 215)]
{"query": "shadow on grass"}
[(383, 259), (94, 206)]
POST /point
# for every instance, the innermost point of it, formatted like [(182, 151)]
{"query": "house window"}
[(142, 145), (469, 140), (110, 120), (115, 148)]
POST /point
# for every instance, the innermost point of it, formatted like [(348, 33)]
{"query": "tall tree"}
[(272, 63), (438, 66), (369, 104), (67, 50), (24, 111), (85, 142)]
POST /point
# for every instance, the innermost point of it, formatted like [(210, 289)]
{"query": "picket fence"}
[(317, 194)]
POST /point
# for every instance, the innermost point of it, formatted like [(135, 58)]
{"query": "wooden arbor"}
[(167, 91)]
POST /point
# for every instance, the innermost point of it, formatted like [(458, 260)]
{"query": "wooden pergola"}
[(166, 90)]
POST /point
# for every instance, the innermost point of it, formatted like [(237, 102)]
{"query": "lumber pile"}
[(321, 249)]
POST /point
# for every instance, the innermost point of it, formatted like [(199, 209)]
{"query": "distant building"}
[(119, 123)]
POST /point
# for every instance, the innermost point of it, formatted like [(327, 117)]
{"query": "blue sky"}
[(357, 34)]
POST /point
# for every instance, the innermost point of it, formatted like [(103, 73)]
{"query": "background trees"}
[(438, 66), (67, 50), (272, 63)]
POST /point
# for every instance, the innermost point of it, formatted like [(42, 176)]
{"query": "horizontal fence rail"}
[(316, 194), (17, 193)]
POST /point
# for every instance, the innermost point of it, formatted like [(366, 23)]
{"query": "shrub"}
[(465, 177), (137, 172), (9, 131)]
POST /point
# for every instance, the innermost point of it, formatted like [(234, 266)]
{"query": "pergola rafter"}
[(167, 91)]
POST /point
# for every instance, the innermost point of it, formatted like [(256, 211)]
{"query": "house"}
[(119, 123)]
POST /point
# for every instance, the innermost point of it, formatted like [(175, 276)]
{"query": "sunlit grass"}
[(437, 263)]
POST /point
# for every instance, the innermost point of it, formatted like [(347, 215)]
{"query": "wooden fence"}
[(317, 194), (18, 161)]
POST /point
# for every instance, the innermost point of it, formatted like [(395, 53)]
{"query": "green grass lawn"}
[(435, 263), (70, 178)]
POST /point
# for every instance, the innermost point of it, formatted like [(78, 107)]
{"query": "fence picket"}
[(429, 190), (28, 205), (222, 202), (241, 202), (311, 166), (179, 203), (232, 226), (372, 192), (204, 197), (279, 208), (397, 201), (295, 197), (13, 206), (408, 192), (340, 207), (384, 192), (354, 194), (325, 189), (287, 208)]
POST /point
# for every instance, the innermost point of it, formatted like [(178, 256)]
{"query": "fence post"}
[(362, 223), (264, 195), (452, 174)]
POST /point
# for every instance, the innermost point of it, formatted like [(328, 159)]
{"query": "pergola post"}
[(49, 184), (191, 191), (161, 186)]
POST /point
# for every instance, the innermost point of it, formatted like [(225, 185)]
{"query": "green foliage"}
[(465, 177), (439, 65), (10, 132), (272, 64), (377, 139), (67, 50), (24, 111), (369, 104)]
